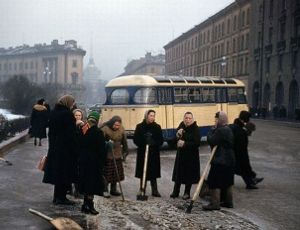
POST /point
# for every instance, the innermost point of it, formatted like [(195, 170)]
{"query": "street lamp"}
[(46, 74), (223, 66)]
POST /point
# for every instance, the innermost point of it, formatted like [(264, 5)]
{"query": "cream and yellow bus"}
[(172, 96)]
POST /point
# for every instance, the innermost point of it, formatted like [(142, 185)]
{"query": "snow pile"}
[(7, 114)]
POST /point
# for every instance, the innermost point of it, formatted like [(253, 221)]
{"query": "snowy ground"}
[(9, 116)]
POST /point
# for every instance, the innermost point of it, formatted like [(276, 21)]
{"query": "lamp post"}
[(46, 74), (223, 66)]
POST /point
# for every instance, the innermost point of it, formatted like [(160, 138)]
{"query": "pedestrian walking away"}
[(187, 163), (91, 162), (115, 133), (242, 128), (61, 165), (221, 174), (148, 132), (39, 121)]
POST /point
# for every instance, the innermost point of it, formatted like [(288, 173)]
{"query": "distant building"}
[(94, 86), (60, 64), (146, 65)]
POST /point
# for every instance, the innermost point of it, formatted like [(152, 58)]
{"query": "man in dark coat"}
[(61, 164), (187, 163), (39, 121), (148, 132), (221, 174), (91, 164), (241, 133)]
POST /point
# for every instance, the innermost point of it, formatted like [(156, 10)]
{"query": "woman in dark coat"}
[(39, 121), (91, 163), (61, 165), (148, 132), (221, 174), (187, 163)]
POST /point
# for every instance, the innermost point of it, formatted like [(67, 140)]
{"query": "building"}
[(219, 46), (275, 57), (146, 65), (54, 64)]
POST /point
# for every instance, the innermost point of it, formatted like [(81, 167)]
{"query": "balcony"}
[(281, 45), (268, 49), (295, 42)]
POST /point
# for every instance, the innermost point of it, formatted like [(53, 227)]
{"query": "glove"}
[(179, 133), (149, 139), (180, 143)]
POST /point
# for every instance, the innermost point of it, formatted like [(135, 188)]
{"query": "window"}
[(247, 41), (280, 62), (221, 96), (119, 96), (145, 96), (294, 59), (259, 38), (243, 18), (31, 65), (256, 66), (268, 60), (74, 77), (195, 95), (282, 31), (164, 96), (74, 63), (234, 23), (248, 17), (271, 8), (233, 45), (241, 96), (181, 95), (228, 26), (15, 66), (232, 94), (270, 34), (208, 95)]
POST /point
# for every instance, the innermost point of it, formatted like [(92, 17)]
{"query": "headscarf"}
[(80, 111), (112, 121), (41, 101), (222, 119), (147, 113), (67, 101)]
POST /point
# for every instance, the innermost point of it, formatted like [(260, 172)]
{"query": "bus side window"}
[(232, 94), (181, 95), (120, 96), (164, 95), (145, 96), (195, 95), (241, 96), (208, 95), (221, 96)]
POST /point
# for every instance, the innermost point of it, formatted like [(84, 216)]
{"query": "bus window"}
[(165, 96), (119, 96), (241, 96), (221, 95), (195, 95), (232, 94), (208, 95), (181, 95), (145, 96)]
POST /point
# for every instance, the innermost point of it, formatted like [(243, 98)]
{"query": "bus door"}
[(221, 99), (166, 116)]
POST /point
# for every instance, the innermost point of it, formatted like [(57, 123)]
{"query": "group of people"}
[(90, 155)]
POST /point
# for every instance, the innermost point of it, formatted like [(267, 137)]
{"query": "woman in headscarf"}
[(221, 174), (114, 133), (39, 121), (148, 132), (91, 162), (61, 165), (187, 163)]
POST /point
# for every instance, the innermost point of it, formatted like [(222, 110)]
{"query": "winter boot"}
[(34, 141), (113, 190), (88, 206), (176, 191), (40, 142), (227, 200), (155, 192), (141, 188), (215, 201), (187, 191)]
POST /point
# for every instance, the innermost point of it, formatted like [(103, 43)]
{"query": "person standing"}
[(242, 128), (148, 132), (39, 121), (61, 164), (91, 162), (187, 163), (114, 131), (221, 174)]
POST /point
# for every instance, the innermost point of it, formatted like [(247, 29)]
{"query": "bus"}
[(171, 96)]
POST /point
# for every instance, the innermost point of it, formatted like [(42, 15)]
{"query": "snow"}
[(9, 116)]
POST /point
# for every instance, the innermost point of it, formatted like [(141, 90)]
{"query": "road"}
[(274, 153)]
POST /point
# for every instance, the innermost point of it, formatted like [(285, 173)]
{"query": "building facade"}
[(59, 64), (275, 58), (146, 65)]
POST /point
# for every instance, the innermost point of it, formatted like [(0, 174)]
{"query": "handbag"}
[(42, 163)]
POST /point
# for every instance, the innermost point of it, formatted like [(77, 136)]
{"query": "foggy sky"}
[(120, 30)]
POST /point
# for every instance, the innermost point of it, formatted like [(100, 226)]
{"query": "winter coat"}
[(187, 163), (119, 141), (61, 164), (155, 140), (91, 162), (39, 121)]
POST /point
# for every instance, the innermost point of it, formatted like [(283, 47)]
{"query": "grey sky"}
[(120, 29)]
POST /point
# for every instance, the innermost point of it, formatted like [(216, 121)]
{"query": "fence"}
[(8, 128)]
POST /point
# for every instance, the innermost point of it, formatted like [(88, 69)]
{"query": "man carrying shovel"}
[(148, 133)]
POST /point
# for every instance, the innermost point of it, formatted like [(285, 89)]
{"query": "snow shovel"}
[(200, 183), (117, 172), (60, 223), (143, 196), (6, 161)]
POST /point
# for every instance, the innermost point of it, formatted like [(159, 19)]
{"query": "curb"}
[(7, 145)]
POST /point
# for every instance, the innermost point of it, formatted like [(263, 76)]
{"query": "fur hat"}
[(245, 116), (94, 115)]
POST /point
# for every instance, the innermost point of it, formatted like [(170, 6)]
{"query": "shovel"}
[(143, 196), (60, 223), (200, 183), (6, 161)]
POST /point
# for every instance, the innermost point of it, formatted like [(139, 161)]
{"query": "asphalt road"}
[(274, 153)]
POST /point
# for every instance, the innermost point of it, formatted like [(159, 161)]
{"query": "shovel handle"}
[(145, 169), (40, 214)]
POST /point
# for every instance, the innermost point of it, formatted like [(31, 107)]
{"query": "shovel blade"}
[(63, 223), (142, 197)]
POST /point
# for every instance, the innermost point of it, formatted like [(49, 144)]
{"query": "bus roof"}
[(148, 80)]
